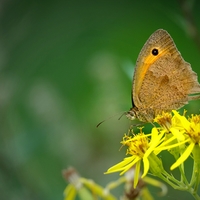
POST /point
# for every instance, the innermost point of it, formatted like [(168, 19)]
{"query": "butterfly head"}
[(131, 114)]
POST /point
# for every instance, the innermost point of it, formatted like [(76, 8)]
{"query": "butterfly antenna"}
[(124, 113), (109, 118), (100, 123)]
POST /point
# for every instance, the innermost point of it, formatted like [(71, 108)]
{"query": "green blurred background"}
[(66, 66)]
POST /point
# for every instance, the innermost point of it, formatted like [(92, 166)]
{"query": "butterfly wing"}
[(162, 79), (169, 87)]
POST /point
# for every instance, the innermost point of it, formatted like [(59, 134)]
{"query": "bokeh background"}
[(66, 66)]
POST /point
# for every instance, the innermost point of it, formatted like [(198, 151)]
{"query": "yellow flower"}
[(164, 120), (140, 148), (182, 137), (178, 135), (189, 133)]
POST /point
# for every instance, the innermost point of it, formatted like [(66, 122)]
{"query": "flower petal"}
[(137, 174), (122, 165), (127, 167), (183, 157), (146, 166)]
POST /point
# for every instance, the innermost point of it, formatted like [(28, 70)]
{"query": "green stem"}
[(182, 172), (194, 194), (157, 169), (196, 168)]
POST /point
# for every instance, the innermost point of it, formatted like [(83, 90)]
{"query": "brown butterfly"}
[(162, 80)]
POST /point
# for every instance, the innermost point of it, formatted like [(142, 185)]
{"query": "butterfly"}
[(162, 80)]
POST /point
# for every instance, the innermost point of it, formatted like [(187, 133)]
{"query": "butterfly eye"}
[(155, 52)]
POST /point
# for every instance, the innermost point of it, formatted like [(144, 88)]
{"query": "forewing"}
[(162, 81), (168, 83)]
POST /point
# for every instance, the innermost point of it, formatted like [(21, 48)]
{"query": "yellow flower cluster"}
[(177, 134)]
